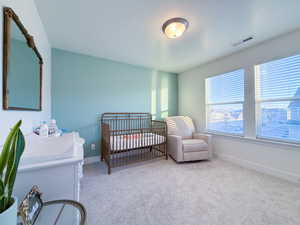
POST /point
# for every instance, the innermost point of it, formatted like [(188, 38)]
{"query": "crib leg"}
[(166, 152), (108, 167), (101, 150)]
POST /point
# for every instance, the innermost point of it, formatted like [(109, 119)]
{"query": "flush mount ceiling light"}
[(175, 27)]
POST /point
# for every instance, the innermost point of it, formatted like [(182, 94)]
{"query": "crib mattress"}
[(138, 140)]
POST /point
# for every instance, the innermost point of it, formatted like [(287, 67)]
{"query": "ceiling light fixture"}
[(175, 27)]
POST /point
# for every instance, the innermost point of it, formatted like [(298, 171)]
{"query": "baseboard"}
[(244, 163), (90, 160), (263, 169)]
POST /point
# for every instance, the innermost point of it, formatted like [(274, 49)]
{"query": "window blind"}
[(224, 102), (278, 99), (228, 87)]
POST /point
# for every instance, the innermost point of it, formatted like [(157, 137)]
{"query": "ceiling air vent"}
[(242, 41)]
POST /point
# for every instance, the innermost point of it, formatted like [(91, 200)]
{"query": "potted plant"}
[(9, 161)]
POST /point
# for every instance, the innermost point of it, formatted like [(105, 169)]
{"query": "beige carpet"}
[(162, 192)]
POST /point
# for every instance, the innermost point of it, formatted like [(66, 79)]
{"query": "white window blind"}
[(278, 99), (224, 102)]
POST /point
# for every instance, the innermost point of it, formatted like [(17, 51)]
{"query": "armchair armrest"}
[(208, 139), (175, 147), (205, 137), (175, 139)]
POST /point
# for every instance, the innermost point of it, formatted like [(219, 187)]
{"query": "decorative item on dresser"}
[(131, 137)]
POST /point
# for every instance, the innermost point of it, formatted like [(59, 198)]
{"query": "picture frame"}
[(30, 207), (10, 18)]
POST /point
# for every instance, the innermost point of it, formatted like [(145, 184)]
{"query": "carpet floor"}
[(162, 192)]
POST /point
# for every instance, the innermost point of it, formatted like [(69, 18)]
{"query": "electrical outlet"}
[(93, 147)]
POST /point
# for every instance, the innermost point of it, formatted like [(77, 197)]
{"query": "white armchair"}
[(184, 144)]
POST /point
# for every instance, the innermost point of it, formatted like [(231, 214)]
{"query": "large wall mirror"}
[(22, 66)]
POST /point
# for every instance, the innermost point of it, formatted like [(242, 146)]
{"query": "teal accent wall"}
[(84, 87), (23, 76)]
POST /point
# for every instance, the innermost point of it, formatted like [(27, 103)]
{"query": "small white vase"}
[(9, 216)]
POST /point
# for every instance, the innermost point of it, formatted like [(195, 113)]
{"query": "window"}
[(224, 102), (164, 97), (278, 99), (160, 96)]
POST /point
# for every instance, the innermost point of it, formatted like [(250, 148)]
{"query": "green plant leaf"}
[(2, 204), (7, 146), (14, 148), (11, 159), (10, 186), (19, 149), (1, 189), (9, 173)]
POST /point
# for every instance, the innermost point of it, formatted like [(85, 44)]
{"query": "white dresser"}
[(55, 165)]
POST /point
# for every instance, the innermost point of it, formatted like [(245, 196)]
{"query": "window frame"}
[(258, 102), (207, 105)]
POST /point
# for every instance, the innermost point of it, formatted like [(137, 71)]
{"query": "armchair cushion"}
[(194, 145)]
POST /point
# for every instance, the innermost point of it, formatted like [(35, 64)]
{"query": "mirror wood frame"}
[(9, 17)]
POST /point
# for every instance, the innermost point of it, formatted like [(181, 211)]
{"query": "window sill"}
[(294, 146)]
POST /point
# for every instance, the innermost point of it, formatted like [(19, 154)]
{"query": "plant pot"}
[(9, 216)]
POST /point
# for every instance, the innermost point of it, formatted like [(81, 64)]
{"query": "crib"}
[(131, 137)]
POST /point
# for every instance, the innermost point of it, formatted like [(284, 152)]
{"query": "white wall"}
[(280, 160), (29, 16)]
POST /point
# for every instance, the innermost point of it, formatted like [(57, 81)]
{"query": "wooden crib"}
[(131, 137)]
